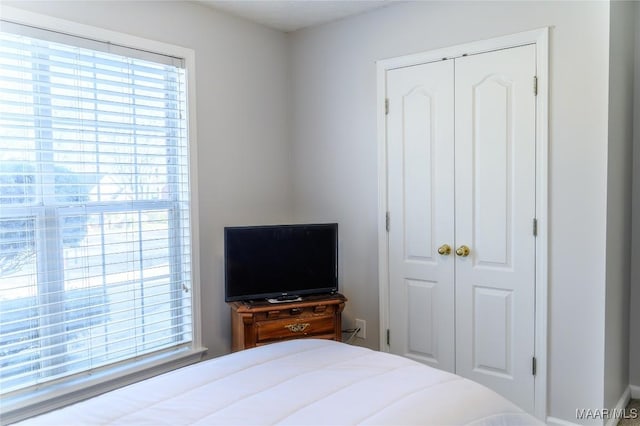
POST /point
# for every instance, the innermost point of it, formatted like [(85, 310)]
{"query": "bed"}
[(297, 382)]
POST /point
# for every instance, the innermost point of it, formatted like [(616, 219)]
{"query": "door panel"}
[(492, 171), (495, 207), (492, 320), (418, 146), (420, 190), (423, 324)]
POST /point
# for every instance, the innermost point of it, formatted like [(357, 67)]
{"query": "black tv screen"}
[(280, 261)]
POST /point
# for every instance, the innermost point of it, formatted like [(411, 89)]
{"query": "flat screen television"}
[(280, 262)]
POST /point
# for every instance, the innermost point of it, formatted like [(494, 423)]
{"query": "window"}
[(95, 232)]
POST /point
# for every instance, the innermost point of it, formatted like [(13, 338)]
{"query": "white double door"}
[(461, 175)]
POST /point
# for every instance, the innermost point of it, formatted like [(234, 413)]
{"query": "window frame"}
[(57, 393)]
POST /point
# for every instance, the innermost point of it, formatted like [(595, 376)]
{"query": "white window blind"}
[(95, 250)]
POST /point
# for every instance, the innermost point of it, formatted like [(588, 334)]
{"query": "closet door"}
[(420, 190), (495, 208)]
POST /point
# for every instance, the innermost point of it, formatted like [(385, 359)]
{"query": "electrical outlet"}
[(362, 325)]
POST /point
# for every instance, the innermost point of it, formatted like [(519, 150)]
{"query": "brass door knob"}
[(463, 251), (444, 250)]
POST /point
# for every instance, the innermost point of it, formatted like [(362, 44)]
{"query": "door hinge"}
[(535, 227), (534, 366), (388, 337), (386, 106), (387, 221), (535, 85)]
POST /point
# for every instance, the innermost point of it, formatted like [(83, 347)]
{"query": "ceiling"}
[(293, 14)]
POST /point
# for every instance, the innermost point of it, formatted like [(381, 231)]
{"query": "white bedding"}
[(298, 382)]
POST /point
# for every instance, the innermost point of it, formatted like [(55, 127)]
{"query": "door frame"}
[(539, 38)]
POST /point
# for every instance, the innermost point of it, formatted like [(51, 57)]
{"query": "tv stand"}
[(261, 322), (285, 299)]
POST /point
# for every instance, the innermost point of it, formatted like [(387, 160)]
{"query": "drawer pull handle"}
[(297, 328)]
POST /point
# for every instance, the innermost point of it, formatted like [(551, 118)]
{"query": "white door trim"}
[(540, 38)]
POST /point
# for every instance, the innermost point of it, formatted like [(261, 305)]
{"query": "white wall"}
[(335, 176), (621, 77), (634, 356), (242, 117)]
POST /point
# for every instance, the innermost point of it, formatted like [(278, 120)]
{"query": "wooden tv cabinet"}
[(260, 322)]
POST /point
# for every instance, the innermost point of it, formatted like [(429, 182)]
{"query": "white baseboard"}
[(554, 421), (630, 392), (635, 391), (621, 405)]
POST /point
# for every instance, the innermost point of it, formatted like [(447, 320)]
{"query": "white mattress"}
[(298, 382)]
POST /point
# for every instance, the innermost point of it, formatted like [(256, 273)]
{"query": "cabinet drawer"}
[(295, 327), (294, 312)]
